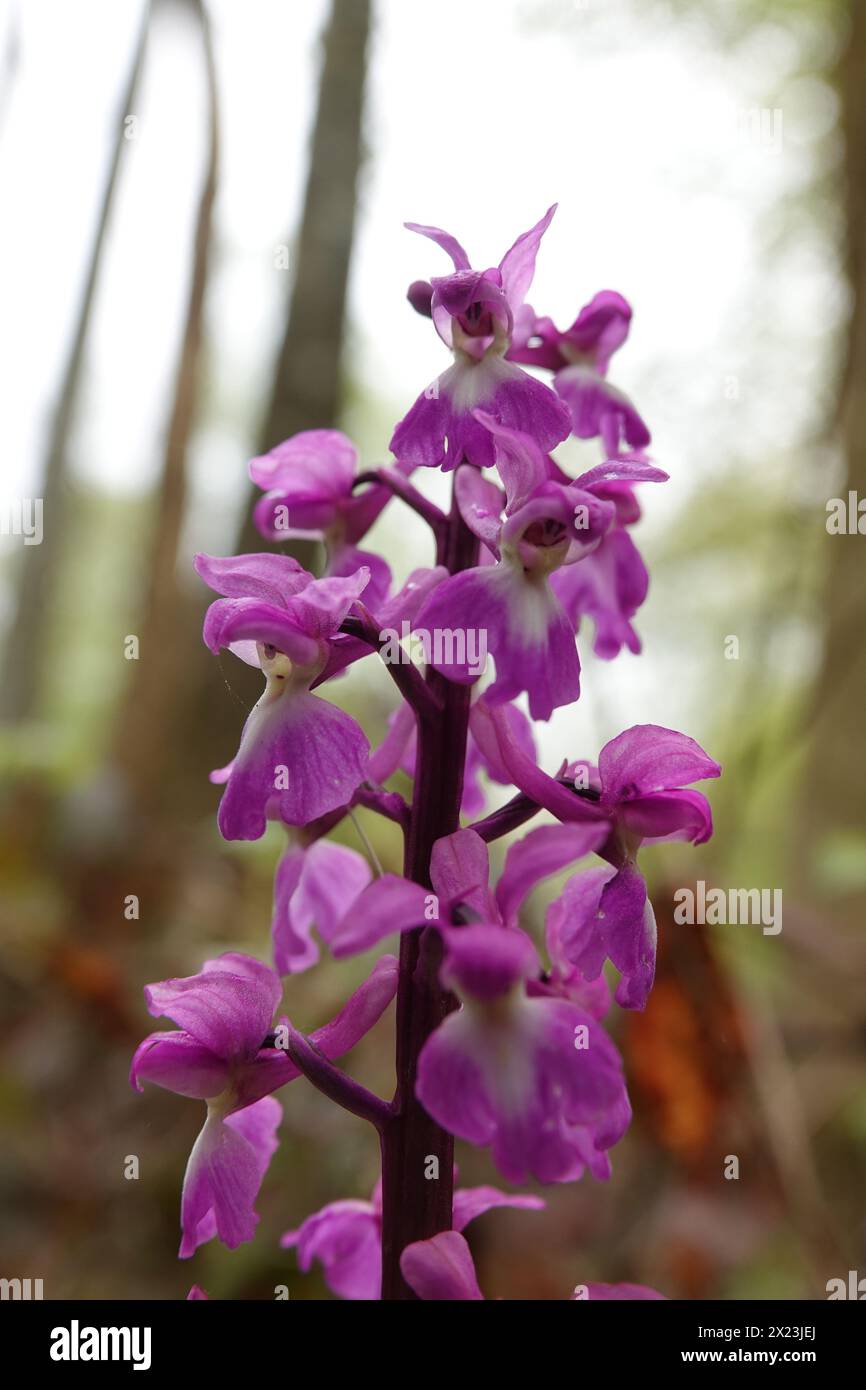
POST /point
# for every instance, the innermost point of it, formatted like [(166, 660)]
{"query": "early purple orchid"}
[(638, 788), (501, 1031), (224, 1055), (309, 483), (538, 526), (346, 1236), (536, 1078), (313, 886), (579, 358), (474, 313), (298, 753)]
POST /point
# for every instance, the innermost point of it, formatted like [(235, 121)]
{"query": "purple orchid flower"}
[(222, 1055), (459, 873), (442, 1270), (546, 524), (638, 789), (508, 1070), (346, 1236), (308, 483), (611, 583), (299, 756), (535, 1078), (474, 314), (316, 885), (579, 358), (523, 1064)]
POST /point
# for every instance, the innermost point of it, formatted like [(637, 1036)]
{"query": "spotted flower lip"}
[(220, 1055), (299, 756), (474, 314)]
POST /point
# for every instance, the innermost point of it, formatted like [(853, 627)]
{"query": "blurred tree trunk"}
[(306, 387), (146, 712), (835, 800), (40, 564)]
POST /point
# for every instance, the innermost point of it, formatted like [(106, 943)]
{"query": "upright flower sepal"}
[(474, 314)]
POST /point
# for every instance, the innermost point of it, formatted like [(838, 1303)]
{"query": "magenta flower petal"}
[(392, 751), (312, 887), (527, 633), (232, 620), (313, 466), (441, 1269), (648, 758), (520, 463), (487, 961), (542, 852), (628, 929), (299, 757), (522, 1086), (518, 264), (440, 430), (607, 586), (225, 1171), (599, 408), (361, 1011), (197, 1294), (472, 1202), (600, 328), (676, 815), (496, 737), (388, 905), (609, 1293), (573, 929), (177, 1062), (450, 245), (519, 733), (625, 469), (481, 505), (323, 605), (347, 560), (228, 1007), (459, 871), (402, 606), (272, 578), (346, 1237)]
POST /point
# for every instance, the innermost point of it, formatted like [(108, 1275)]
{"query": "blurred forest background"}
[(201, 253)]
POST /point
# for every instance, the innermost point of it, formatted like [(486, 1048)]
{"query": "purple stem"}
[(403, 489), (408, 679), (335, 1084), (415, 1207), (518, 811)]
